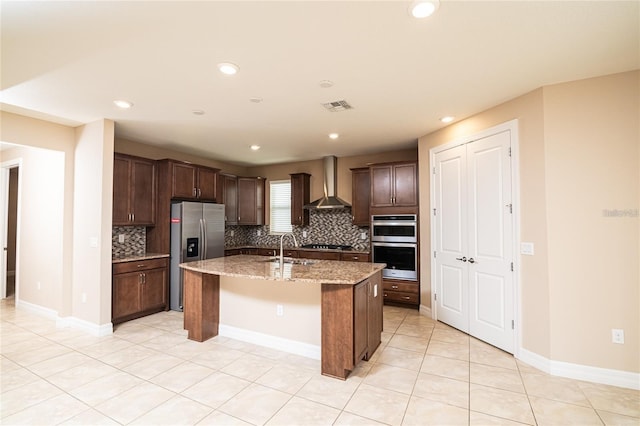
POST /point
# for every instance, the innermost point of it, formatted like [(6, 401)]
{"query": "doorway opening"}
[(10, 185)]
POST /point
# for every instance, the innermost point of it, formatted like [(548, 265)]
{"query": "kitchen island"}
[(339, 301)]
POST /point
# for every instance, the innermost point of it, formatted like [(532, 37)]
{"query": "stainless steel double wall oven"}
[(394, 241)]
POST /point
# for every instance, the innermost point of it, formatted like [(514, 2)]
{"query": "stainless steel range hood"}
[(330, 200)]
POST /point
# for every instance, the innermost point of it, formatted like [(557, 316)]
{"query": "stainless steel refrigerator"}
[(197, 233)]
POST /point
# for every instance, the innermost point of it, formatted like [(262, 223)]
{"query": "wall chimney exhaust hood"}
[(330, 200)]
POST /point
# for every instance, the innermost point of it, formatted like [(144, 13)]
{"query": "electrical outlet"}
[(84, 297), (93, 242), (232, 233), (363, 236), (617, 336), (304, 234), (39, 286), (259, 232), (279, 310), (121, 238), (527, 248)]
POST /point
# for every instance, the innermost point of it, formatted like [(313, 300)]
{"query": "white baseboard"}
[(37, 309), (426, 311), (269, 341), (89, 327), (623, 379), (66, 322)]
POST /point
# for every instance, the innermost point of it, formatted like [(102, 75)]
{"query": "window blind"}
[(280, 206)]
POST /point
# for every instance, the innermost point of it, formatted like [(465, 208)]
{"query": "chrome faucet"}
[(295, 242)]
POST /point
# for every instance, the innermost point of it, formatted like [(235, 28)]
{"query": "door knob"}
[(471, 260), (463, 258)]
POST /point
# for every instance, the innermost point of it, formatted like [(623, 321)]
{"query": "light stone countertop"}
[(259, 267), (137, 258)]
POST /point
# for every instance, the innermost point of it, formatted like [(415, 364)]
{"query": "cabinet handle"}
[(141, 265), (394, 287), (133, 217), (199, 192), (385, 295), (406, 298), (355, 257), (194, 192)]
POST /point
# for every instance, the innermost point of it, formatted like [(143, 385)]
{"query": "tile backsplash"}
[(325, 226), (135, 241)]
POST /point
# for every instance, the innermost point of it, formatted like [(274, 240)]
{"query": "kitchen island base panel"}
[(337, 330), (201, 301)]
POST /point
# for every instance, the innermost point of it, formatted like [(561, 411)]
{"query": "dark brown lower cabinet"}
[(139, 288), (402, 293), (351, 324)]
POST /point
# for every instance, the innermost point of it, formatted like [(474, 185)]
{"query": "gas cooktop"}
[(327, 246)]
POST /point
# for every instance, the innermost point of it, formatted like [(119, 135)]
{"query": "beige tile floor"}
[(148, 373)]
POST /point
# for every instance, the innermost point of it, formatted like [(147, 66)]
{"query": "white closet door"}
[(451, 242), (474, 239), (490, 240)]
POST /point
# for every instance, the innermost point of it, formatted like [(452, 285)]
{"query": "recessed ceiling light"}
[(255, 147), (334, 135), (325, 84), (423, 8), (197, 112), (255, 100), (447, 119), (228, 68), (123, 104)]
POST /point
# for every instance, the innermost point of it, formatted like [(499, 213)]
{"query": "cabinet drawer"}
[(403, 287), (401, 297), (320, 255), (139, 265), (354, 257), (268, 252)]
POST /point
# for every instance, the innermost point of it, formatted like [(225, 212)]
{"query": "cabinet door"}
[(126, 294), (247, 207), (360, 196), (300, 195), (374, 313), (250, 201), (121, 191), (154, 289), (230, 199), (360, 320), (381, 186), (405, 185), (183, 183), (143, 192), (207, 181)]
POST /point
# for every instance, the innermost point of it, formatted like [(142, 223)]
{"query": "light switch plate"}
[(121, 238), (527, 248)]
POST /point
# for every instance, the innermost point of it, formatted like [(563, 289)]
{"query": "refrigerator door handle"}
[(203, 221), (202, 243)]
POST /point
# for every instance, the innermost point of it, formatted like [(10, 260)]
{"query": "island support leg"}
[(337, 330), (201, 303)]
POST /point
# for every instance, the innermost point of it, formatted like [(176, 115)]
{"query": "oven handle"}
[(394, 244), (405, 223)]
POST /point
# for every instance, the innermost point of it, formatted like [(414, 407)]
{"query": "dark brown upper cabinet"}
[(134, 191), (300, 196)]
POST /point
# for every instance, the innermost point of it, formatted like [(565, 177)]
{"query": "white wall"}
[(80, 198), (40, 226), (93, 200)]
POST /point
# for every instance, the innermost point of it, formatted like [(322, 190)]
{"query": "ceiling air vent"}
[(336, 106)]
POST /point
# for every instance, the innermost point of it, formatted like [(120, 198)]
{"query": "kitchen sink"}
[(290, 260)]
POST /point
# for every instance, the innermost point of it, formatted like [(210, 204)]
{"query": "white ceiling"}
[(67, 62)]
